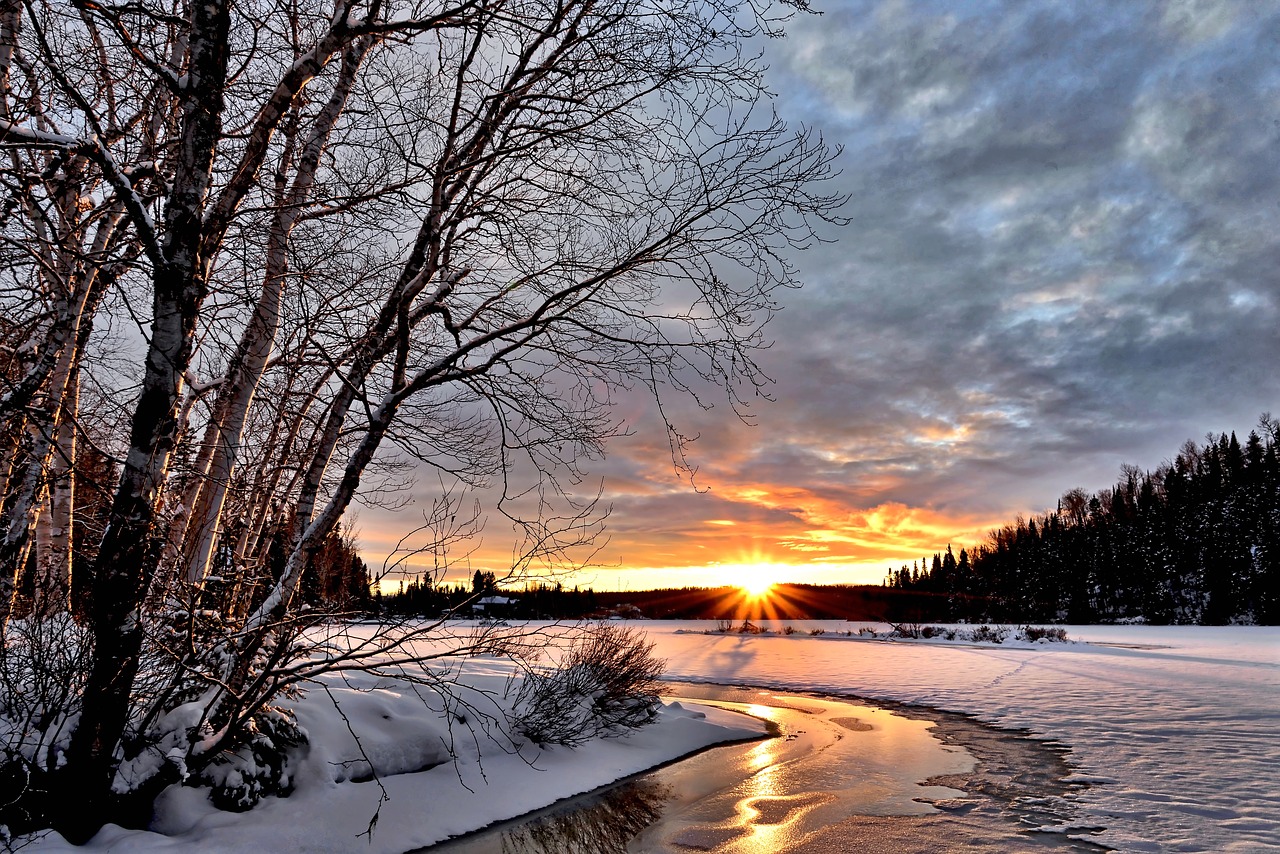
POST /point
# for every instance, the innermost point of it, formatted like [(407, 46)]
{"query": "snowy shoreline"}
[(398, 790)]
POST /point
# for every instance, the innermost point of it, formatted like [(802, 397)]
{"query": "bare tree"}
[(444, 231)]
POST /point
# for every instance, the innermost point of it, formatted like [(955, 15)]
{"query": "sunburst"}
[(754, 579)]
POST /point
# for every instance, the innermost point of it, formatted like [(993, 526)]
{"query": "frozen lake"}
[(1173, 727)]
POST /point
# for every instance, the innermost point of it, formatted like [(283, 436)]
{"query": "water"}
[(839, 776)]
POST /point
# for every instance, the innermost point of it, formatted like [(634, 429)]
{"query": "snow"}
[(420, 796), (1174, 727)]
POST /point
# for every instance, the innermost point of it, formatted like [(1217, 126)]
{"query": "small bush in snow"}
[(1045, 633), (816, 632), (239, 778), (750, 628), (788, 630), (866, 631), (606, 684), (914, 630), (989, 634), (43, 664)]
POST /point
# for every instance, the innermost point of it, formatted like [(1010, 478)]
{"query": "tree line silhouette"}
[(423, 596), (1197, 540)]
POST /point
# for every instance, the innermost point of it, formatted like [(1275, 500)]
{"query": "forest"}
[(1196, 541)]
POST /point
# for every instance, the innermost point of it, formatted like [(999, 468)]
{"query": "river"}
[(840, 775)]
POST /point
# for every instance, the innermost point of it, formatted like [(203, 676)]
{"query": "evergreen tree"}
[(1197, 540)]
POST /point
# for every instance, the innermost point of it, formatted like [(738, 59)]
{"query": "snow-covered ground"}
[(1176, 727), (418, 797)]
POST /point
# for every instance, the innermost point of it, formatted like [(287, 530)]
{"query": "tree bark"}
[(53, 558), (130, 548)]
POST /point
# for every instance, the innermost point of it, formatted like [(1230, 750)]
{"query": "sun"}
[(755, 580)]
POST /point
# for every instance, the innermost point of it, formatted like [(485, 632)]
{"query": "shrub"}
[(989, 634), (914, 630), (606, 684), (240, 778), (1045, 633), (816, 632), (788, 630)]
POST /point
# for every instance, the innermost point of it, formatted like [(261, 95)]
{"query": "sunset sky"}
[(1063, 256)]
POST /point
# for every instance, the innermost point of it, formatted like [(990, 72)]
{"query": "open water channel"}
[(839, 775)]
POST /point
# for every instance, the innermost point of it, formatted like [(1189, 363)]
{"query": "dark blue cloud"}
[(1064, 239)]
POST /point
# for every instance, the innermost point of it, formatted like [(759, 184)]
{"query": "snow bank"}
[(398, 788)]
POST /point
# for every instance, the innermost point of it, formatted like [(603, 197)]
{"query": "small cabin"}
[(494, 607)]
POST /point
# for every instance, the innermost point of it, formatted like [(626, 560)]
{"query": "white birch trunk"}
[(232, 410), (53, 556), (79, 292)]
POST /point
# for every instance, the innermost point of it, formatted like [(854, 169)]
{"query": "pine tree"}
[(1195, 541)]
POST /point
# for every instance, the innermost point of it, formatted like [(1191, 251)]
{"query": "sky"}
[(1062, 255)]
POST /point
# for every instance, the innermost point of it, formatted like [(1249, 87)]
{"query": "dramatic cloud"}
[(1062, 256)]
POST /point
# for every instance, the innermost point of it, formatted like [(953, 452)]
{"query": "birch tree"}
[(446, 231)]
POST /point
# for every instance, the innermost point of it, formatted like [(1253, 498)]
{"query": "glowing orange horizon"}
[(751, 536)]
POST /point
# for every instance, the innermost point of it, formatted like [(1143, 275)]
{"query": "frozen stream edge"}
[(1016, 797)]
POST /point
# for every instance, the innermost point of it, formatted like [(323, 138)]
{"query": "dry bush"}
[(42, 663), (606, 685), (1047, 633), (989, 634)]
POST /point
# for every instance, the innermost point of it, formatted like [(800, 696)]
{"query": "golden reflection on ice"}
[(831, 760), (766, 817), (765, 753)]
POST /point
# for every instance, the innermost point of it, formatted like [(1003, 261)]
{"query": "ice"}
[(1185, 715)]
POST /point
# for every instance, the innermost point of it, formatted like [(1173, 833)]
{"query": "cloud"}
[(1063, 232), (1062, 253)]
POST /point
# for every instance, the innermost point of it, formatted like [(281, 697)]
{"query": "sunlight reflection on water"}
[(839, 776)]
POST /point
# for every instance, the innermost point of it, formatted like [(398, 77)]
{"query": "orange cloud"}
[(811, 509)]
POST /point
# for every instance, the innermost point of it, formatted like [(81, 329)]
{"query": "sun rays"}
[(760, 591)]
